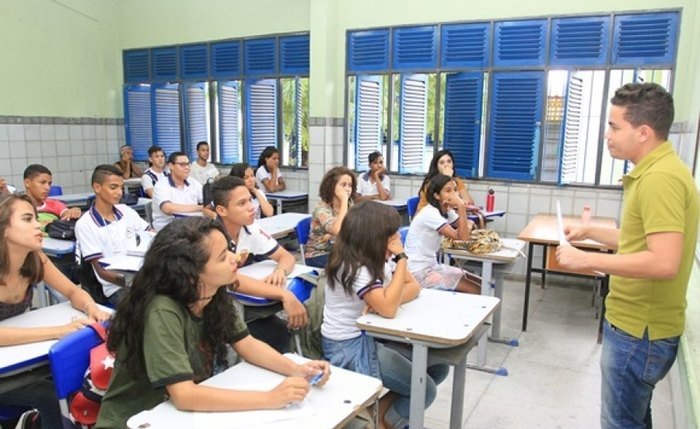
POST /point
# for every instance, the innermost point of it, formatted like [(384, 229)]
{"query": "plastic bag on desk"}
[(481, 242)]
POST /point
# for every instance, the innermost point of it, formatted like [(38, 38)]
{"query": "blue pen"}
[(316, 378)]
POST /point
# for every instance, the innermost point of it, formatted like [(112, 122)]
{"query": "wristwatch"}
[(399, 257)]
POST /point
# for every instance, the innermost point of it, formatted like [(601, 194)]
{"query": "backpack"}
[(310, 335), (62, 229), (84, 405)]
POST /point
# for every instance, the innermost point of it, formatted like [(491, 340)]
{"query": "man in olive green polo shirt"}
[(655, 247)]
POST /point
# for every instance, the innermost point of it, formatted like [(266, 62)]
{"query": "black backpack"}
[(62, 229)]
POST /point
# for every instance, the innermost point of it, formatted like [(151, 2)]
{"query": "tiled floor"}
[(553, 377)]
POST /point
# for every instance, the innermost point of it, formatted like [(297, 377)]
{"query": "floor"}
[(553, 377)]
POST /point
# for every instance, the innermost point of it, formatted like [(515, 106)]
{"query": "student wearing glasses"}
[(179, 195)]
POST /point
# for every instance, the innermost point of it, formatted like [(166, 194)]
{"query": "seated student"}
[(22, 265), (337, 190), (360, 278), (107, 228), (374, 184), (246, 239), (443, 163), (201, 169), (268, 174), (37, 184), (177, 195), (155, 172), (245, 172), (173, 326), (439, 219), (126, 163), (5, 188)]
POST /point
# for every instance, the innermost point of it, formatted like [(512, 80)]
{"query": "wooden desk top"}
[(543, 229)]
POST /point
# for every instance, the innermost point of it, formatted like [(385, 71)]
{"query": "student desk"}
[(56, 248), (332, 406), (504, 258), (286, 196), (281, 225), (543, 230), (435, 320), (260, 270), (77, 199), (24, 357)]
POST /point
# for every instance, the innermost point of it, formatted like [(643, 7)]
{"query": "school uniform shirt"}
[(423, 239), (366, 188), (203, 174), (261, 173), (165, 191), (98, 238), (253, 240), (256, 204), (341, 310), (151, 177)]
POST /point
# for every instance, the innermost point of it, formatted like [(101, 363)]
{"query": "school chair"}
[(11, 412), (55, 190), (148, 210), (403, 232), (69, 358), (412, 206), (302, 230)]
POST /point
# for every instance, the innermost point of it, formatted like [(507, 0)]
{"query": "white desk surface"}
[(13, 356), (441, 318), (287, 194), (122, 262), (330, 406), (512, 248), (56, 247), (262, 269), (80, 197), (397, 203), (281, 224), (133, 182)]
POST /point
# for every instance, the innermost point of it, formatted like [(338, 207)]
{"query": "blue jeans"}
[(319, 261), (40, 395), (357, 354), (630, 369)]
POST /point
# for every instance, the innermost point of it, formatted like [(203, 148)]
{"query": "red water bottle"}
[(490, 200)]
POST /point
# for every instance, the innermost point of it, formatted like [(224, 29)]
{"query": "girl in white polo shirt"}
[(439, 219)]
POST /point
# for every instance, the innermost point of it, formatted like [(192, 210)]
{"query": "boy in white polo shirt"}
[(156, 172), (202, 170), (177, 196), (106, 229)]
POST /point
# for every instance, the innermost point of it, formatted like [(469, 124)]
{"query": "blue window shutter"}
[(194, 105), (465, 45), (260, 57), (229, 126), (294, 55), (412, 117), (515, 125), (166, 116), (136, 66), (463, 105), (137, 119), (261, 117), (164, 64), (226, 60), (415, 48), (368, 51), (645, 39), (368, 118), (520, 43), (568, 152), (580, 41), (194, 61)]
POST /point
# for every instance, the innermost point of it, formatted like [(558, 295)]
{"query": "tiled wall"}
[(69, 147)]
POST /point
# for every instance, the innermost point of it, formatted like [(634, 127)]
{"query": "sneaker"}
[(29, 420)]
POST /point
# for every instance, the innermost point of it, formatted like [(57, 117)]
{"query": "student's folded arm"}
[(385, 301), (265, 206), (108, 275), (284, 259), (411, 288), (170, 208)]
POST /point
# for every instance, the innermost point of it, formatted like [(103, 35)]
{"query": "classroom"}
[(327, 83)]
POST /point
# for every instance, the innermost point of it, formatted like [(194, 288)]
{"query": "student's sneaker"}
[(29, 420)]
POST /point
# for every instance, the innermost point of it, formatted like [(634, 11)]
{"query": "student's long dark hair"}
[(433, 169), (238, 170), (266, 153), (172, 267), (362, 242), (434, 187), (31, 268)]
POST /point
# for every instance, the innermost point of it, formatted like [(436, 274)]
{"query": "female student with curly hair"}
[(360, 278), (173, 327)]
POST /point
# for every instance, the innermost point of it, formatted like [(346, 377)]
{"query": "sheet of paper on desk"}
[(560, 222), (124, 263), (260, 270)]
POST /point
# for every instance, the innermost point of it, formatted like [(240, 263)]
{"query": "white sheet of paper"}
[(560, 222)]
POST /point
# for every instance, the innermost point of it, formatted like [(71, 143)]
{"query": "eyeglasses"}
[(182, 164)]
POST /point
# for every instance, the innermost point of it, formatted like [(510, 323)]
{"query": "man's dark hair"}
[(373, 156), (221, 189), (202, 143), (154, 149), (172, 159), (103, 171), (646, 104), (34, 170)]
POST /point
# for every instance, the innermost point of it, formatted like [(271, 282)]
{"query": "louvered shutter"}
[(295, 148), (520, 43), (645, 39), (226, 60), (195, 108), (166, 117), (368, 51), (137, 119), (294, 55), (136, 65), (368, 118), (515, 125), (261, 117), (260, 57), (579, 41), (194, 62), (229, 126), (571, 135), (164, 64), (415, 48), (463, 112), (465, 45), (412, 117)]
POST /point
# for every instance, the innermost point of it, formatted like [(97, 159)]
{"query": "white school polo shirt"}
[(423, 240), (253, 240), (262, 173), (367, 189), (165, 191), (150, 178), (98, 238), (256, 204)]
